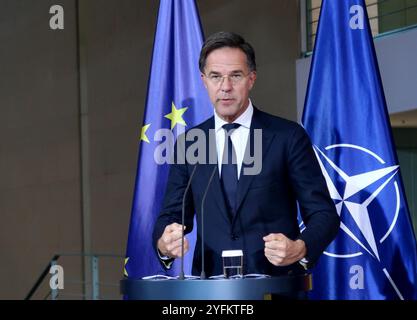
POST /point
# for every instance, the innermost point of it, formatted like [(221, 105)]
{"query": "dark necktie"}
[(229, 177)]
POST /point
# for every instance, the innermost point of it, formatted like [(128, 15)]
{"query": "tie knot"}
[(230, 126)]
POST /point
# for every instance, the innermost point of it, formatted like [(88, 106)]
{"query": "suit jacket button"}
[(234, 237)]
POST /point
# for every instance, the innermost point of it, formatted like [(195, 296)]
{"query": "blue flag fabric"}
[(345, 114), (176, 101)]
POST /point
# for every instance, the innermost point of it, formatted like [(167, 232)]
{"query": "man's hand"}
[(169, 244), (281, 251)]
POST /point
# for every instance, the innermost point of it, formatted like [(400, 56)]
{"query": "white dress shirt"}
[(239, 137)]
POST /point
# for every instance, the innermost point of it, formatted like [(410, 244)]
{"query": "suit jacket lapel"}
[(246, 180), (215, 188)]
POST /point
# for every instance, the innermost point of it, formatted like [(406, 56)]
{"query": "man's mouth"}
[(226, 100)]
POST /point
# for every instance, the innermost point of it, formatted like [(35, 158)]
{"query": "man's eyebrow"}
[(236, 71), (231, 72), (214, 72)]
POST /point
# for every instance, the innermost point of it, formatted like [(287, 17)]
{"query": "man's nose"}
[(226, 84)]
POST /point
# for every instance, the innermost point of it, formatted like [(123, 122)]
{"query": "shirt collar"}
[(244, 119)]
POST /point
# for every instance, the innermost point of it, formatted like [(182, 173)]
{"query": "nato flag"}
[(176, 101), (345, 114)]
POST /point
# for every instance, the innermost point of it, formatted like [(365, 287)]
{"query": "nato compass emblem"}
[(368, 203)]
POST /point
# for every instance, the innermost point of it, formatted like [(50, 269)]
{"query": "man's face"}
[(228, 81)]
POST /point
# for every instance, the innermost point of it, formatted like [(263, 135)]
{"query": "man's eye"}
[(236, 76), (215, 77)]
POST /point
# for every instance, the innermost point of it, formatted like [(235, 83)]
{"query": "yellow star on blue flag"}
[(176, 116), (143, 136), (124, 269)]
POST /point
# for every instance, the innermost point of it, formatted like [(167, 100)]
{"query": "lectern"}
[(219, 289)]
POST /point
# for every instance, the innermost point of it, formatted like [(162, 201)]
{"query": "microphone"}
[(203, 273), (182, 277)]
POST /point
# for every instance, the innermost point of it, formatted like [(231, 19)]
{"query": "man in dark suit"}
[(256, 213)]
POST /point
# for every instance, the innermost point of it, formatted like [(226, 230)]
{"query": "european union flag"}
[(345, 114), (176, 100)]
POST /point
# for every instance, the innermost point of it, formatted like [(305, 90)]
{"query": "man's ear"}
[(204, 79), (252, 79)]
